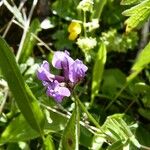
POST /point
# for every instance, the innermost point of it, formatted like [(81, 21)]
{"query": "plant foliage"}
[(94, 95)]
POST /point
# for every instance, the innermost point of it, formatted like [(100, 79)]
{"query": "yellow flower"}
[(74, 29)]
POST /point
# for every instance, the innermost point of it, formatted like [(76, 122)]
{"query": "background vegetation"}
[(110, 108)]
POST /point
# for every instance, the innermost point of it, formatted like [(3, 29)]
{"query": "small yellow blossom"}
[(74, 29)]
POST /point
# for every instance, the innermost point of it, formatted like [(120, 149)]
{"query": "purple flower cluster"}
[(60, 86)]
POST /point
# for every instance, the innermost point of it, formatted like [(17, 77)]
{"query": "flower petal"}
[(43, 73), (61, 60), (77, 71), (64, 91), (56, 91)]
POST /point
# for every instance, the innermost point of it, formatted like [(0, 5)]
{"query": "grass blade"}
[(70, 138), (30, 41), (98, 8), (142, 60), (25, 99), (98, 71)]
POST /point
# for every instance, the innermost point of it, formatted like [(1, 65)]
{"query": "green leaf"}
[(70, 137), (113, 80), (13, 146), (65, 11), (98, 8), (129, 2), (138, 15), (19, 130), (118, 131), (144, 112), (142, 60), (141, 88), (48, 143), (98, 70), (143, 134), (116, 146), (85, 137), (26, 101), (97, 141), (30, 41)]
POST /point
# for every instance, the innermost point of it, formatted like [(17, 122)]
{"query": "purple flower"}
[(53, 84), (73, 70), (57, 91), (77, 71), (59, 87)]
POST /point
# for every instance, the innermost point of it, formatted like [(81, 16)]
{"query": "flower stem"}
[(88, 114), (91, 118)]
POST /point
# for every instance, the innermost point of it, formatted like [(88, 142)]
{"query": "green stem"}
[(98, 7), (129, 79), (88, 114), (129, 106), (91, 118), (118, 94), (145, 147), (77, 122)]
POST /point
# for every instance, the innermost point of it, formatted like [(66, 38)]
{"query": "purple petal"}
[(57, 92), (45, 65), (64, 91), (61, 93), (61, 60), (43, 73), (77, 71)]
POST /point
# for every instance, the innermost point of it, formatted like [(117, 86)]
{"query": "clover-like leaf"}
[(138, 15)]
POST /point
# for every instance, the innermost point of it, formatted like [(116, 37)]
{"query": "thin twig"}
[(145, 147), (117, 95), (129, 106), (4, 27), (26, 30), (92, 129), (31, 11), (36, 37), (11, 21)]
